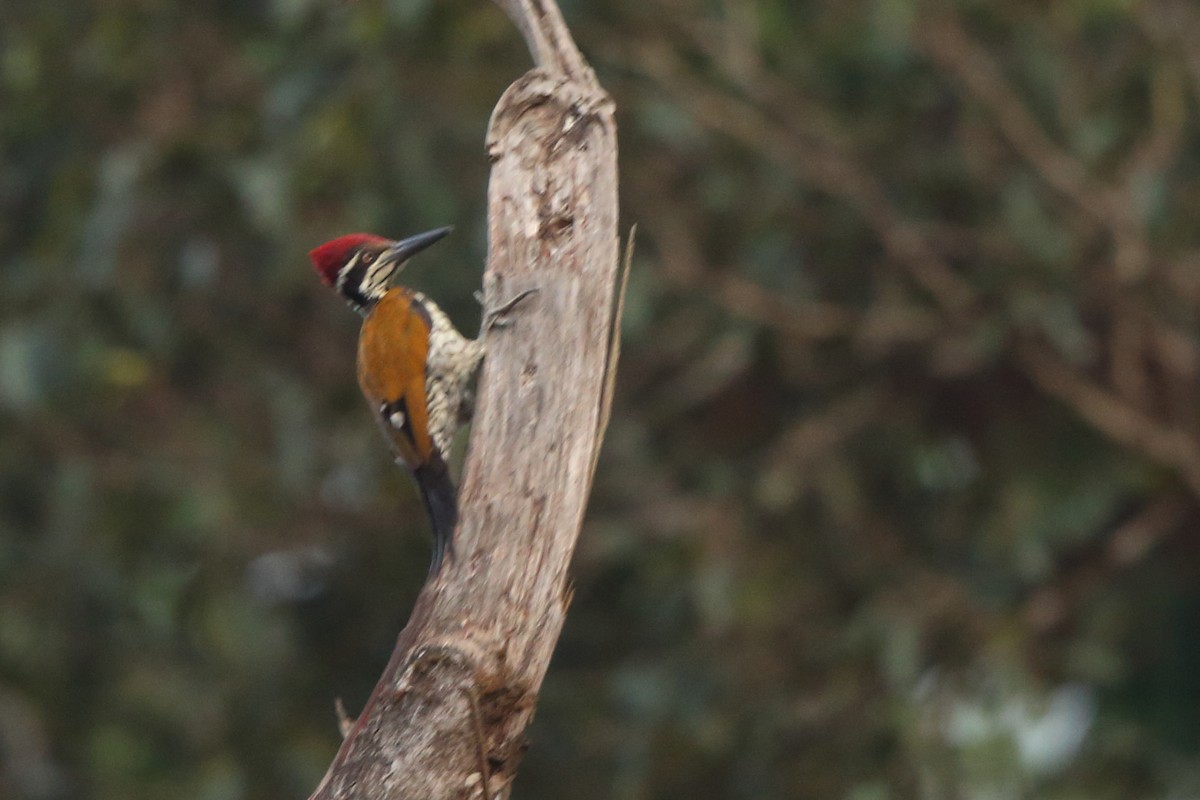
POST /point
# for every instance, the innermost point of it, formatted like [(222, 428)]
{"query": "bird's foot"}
[(497, 316)]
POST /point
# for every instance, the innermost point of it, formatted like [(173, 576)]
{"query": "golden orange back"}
[(392, 351)]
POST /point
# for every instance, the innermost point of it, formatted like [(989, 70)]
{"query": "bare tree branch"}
[(447, 718), (815, 159), (548, 39), (1092, 566), (947, 43), (1109, 414)]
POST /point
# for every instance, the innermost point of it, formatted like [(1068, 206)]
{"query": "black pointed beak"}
[(405, 249)]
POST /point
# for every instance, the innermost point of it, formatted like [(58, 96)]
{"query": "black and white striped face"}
[(363, 279)]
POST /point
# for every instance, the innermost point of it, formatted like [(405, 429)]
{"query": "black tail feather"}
[(441, 502)]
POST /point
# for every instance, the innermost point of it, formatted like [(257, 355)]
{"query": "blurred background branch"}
[(911, 354)]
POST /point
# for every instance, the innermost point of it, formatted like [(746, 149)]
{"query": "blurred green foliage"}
[(900, 495)]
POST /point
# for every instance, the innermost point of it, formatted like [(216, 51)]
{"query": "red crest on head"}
[(333, 255)]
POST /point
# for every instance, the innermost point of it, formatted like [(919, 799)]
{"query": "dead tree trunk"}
[(447, 718)]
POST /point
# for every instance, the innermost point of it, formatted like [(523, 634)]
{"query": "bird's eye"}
[(368, 257)]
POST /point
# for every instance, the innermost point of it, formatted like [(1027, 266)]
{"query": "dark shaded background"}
[(900, 495)]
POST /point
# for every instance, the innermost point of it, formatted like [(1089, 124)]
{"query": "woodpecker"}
[(413, 365)]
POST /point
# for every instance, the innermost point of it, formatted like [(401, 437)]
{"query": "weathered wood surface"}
[(448, 716)]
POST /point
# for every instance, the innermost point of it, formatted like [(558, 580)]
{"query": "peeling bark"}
[(447, 717)]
